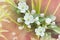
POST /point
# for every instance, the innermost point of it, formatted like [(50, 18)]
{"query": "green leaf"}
[(46, 37), (57, 30), (41, 19)]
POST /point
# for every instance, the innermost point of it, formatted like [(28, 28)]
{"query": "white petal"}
[(19, 20), (21, 3), (42, 15), (53, 18), (33, 12), (27, 7), (37, 22), (26, 16), (53, 23), (23, 7), (37, 18), (22, 11), (27, 22), (42, 34), (40, 31), (48, 20)]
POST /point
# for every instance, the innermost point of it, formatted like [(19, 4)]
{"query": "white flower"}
[(23, 7), (21, 27), (53, 18), (53, 23), (33, 12), (48, 20), (19, 20), (37, 21), (28, 19), (40, 31), (42, 15)]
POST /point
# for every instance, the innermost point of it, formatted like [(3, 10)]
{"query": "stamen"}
[(47, 6), (56, 9)]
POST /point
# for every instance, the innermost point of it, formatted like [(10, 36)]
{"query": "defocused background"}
[(12, 27)]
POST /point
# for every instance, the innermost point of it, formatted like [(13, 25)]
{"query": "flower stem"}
[(39, 37), (32, 4), (3, 37), (38, 6), (13, 20), (56, 9), (39, 3), (6, 14), (12, 3), (46, 8)]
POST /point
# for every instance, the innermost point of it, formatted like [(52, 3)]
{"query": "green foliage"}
[(57, 30), (46, 37), (41, 19)]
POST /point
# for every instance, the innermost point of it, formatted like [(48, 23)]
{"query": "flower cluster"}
[(23, 7), (40, 21)]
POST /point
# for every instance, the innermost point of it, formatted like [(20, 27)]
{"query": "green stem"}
[(40, 2), (38, 6), (32, 4), (12, 3), (56, 9), (13, 20), (3, 36), (46, 8), (39, 37), (6, 14)]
